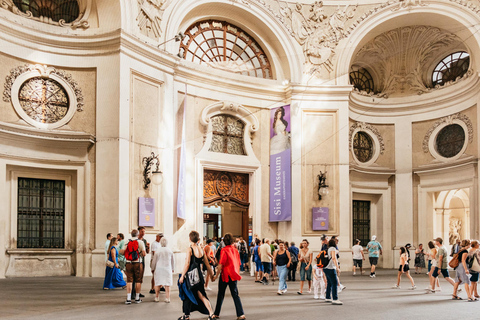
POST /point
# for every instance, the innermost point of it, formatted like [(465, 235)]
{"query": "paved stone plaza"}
[(364, 298)]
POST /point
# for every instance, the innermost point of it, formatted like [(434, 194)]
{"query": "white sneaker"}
[(396, 287), (284, 291), (322, 297), (354, 274), (339, 289), (429, 291), (309, 291), (279, 293), (372, 276), (413, 287), (156, 299), (343, 287), (328, 300), (208, 288), (167, 300), (315, 297), (439, 290), (337, 302)]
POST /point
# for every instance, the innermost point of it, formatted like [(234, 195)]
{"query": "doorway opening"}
[(225, 200), (361, 221)]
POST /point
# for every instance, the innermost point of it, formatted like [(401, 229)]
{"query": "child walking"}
[(319, 283)]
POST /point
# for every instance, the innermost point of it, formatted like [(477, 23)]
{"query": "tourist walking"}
[(155, 246), (463, 272), (294, 261), (305, 257), (441, 266), (319, 283), (330, 271), (192, 287), (358, 257), (243, 251), (228, 271), (113, 275), (474, 267), (432, 263), (107, 245), (134, 253), (257, 261), (419, 259), (163, 265), (282, 261), (404, 268), (374, 251), (210, 251), (266, 258)]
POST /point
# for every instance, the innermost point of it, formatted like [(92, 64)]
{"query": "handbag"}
[(193, 276), (475, 266), (110, 264)]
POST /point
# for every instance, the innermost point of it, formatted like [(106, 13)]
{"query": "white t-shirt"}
[(357, 252), (332, 251), (264, 250), (318, 271), (155, 246)]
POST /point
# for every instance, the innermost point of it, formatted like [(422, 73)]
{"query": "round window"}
[(44, 100), (363, 146), (450, 140)]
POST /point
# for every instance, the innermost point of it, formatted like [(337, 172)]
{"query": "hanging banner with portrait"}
[(280, 165)]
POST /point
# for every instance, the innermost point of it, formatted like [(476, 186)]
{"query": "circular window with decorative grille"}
[(450, 140), (224, 46), (363, 146)]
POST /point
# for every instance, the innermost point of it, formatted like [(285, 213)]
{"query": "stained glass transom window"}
[(362, 80), (451, 67), (221, 45), (361, 221), (44, 100), (41, 213), (227, 135), (56, 10), (450, 140), (363, 146)]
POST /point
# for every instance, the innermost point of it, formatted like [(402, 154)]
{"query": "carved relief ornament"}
[(225, 187), (81, 22), (446, 121), (362, 126), (150, 14)]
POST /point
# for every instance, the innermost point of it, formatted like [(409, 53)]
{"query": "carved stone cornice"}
[(448, 120), (369, 127)]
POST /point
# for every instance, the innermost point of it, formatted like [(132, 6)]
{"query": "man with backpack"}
[(294, 258), (242, 250), (134, 253)]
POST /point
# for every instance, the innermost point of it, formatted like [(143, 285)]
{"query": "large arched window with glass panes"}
[(451, 67), (56, 10), (362, 80), (224, 46), (227, 135)]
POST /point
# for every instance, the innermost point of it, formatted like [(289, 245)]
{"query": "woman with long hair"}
[(330, 271), (229, 273), (305, 257), (432, 263), (281, 138), (282, 260), (462, 271), (404, 268), (258, 262), (419, 259), (474, 268), (113, 275), (195, 258)]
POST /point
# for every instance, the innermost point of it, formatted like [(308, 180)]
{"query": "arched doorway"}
[(225, 200)]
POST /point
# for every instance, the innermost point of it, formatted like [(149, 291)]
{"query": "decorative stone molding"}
[(403, 72), (81, 22), (150, 13), (362, 126), (454, 118), (20, 74)]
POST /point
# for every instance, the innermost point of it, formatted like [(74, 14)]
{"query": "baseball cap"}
[(160, 234), (374, 238)]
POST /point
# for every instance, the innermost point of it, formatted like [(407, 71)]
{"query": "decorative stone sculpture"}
[(455, 226)]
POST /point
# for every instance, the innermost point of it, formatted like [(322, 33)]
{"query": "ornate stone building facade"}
[(383, 98)]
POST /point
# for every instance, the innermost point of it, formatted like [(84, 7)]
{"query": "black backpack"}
[(293, 256), (322, 259), (243, 248)]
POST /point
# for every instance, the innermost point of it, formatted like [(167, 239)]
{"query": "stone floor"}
[(364, 298)]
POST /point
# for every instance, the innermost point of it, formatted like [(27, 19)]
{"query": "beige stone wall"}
[(421, 128)]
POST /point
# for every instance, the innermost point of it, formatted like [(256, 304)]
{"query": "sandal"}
[(241, 318), (299, 292), (184, 317), (454, 297)]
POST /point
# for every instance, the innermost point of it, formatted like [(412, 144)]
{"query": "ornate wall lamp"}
[(322, 186), (156, 176)]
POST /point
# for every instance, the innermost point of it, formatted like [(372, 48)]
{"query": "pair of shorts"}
[(373, 260), (357, 263), (474, 277), (259, 266), (443, 271), (305, 274), (267, 267), (134, 272), (405, 268)]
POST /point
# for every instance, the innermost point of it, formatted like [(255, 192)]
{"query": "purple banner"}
[(320, 219), (280, 165), (146, 212)]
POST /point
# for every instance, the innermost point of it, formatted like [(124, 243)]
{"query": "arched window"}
[(363, 146), (451, 67), (56, 10), (362, 80), (227, 135), (450, 140), (224, 46)]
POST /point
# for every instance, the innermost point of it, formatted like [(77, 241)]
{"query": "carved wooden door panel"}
[(226, 187)]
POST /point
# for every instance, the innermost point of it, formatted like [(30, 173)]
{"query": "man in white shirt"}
[(358, 257), (107, 244), (265, 253), (155, 245)]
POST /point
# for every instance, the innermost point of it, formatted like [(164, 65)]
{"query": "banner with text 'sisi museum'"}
[(280, 165)]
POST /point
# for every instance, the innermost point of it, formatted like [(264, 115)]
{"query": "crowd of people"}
[(225, 260)]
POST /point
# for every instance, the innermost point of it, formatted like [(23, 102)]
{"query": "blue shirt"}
[(293, 250), (374, 248)]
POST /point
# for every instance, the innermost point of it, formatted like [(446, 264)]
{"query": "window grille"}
[(450, 140), (227, 135), (363, 146), (361, 221), (362, 80), (451, 67), (224, 46), (56, 10), (41, 213)]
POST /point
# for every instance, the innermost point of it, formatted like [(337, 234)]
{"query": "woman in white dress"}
[(163, 266), (281, 140)]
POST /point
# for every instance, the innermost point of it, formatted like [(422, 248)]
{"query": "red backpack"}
[(131, 252)]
